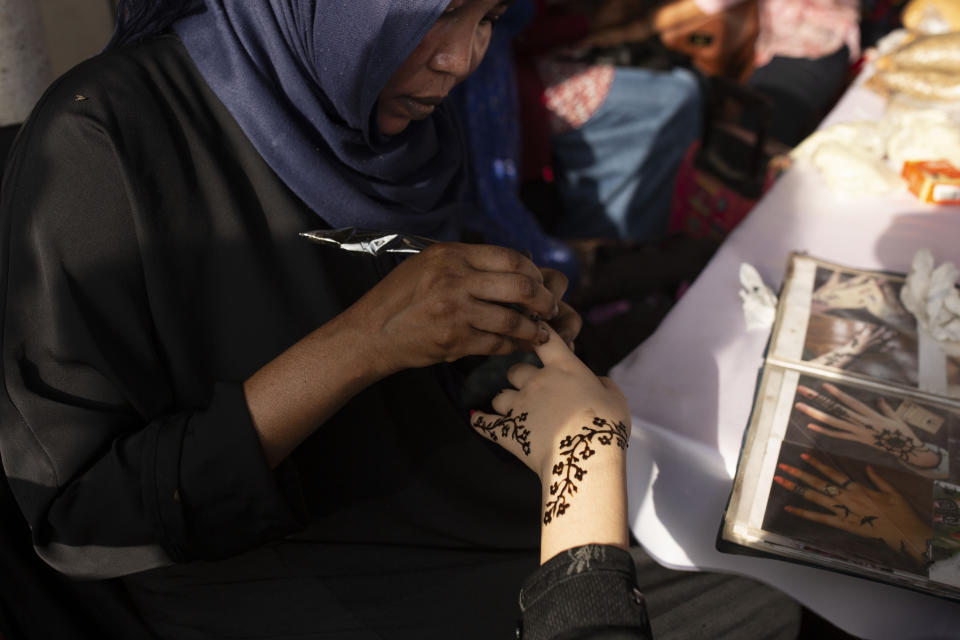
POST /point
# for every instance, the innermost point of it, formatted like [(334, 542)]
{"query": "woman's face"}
[(450, 51)]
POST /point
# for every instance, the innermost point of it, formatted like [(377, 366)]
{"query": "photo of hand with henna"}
[(572, 429), (839, 415), (843, 347), (882, 513), (856, 323), (869, 293)]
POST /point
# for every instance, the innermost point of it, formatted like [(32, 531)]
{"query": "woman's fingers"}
[(485, 257), (513, 288), (567, 323), (556, 283), (497, 319)]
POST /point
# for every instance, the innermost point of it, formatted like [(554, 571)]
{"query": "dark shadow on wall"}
[(7, 135)]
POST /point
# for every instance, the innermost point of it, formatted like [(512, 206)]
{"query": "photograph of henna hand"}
[(828, 411), (838, 342), (858, 324), (847, 291), (882, 513)]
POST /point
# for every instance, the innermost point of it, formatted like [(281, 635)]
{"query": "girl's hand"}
[(551, 405), (572, 429)]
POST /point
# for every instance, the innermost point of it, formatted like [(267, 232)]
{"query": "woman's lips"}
[(418, 108)]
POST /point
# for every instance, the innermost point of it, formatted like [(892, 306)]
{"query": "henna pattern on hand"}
[(574, 449), (837, 410), (508, 426), (896, 443), (868, 520), (846, 510)]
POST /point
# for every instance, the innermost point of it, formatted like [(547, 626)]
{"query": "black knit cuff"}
[(584, 589)]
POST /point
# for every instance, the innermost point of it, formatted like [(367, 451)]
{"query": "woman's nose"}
[(456, 51)]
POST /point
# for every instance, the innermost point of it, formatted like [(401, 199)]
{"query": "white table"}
[(691, 386)]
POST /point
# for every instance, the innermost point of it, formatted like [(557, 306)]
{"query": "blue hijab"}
[(302, 79)]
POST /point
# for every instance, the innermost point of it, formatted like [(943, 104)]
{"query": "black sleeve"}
[(588, 592), (113, 469)]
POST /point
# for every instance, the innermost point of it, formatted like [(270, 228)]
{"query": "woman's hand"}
[(451, 301), (567, 322), (571, 428), (445, 303), (854, 508), (859, 423)]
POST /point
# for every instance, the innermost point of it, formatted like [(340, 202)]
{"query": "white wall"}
[(75, 30), (39, 40), (24, 66)]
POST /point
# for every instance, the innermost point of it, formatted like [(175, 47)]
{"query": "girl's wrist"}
[(584, 502)]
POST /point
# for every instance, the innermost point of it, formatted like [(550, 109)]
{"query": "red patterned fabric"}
[(573, 91)]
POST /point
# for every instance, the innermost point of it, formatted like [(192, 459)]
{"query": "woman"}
[(243, 431)]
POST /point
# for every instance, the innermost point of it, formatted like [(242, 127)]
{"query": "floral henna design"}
[(574, 449), (898, 444), (509, 426)]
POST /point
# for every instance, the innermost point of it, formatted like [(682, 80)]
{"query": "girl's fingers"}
[(567, 323), (554, 352), (509, 431), (519, 374), (504, 401)]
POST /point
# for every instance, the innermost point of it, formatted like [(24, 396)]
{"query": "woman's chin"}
[(392, 125)]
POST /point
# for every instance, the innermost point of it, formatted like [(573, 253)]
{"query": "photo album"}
[(851, 459)]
